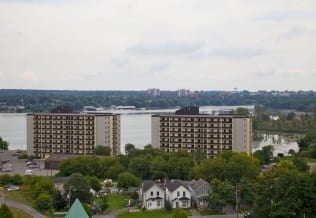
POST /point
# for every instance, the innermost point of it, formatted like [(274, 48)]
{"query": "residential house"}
[(152, 195), (178, 194), (200, 190)]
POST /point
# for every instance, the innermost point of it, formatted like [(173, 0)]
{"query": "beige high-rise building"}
[(72, 133), (189, 130)]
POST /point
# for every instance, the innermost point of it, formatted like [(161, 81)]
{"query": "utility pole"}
[(237, 199)]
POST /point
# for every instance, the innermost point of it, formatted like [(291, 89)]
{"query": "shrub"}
[(43, 202)]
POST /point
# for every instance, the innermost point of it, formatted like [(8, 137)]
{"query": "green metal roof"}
[(77, 211)]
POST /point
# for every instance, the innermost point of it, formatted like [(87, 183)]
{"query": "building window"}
[(183, 194), (178, 194), (151, 193), (157, 193)]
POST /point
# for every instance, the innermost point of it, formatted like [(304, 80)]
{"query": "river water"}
[(136, 129)]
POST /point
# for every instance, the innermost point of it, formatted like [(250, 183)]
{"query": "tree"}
[(241, 111), (286, 192), (5, 212), (140, 166), (198, 156), (180, 165), (78, 187), (44, 202), (59, 201), (308, 139), (231, 166), (291, 115), (264, 155), (129, 148), (17, 179), (4, 145), (222, 193), (300, 164), (94, 183), (125, 180), (102, 150)]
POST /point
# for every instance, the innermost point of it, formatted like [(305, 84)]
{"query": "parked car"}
[(28, 172), (13, 188), (32, 166), (28, 163)]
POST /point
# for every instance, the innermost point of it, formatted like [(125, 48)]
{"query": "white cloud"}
[(169, 48), (137, 44)]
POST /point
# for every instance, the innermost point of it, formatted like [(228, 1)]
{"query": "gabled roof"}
[(77, 211), (149, 183), (198, 183), (174, 184)]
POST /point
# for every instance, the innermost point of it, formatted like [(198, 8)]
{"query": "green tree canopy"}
[(126, 180), (44, 202), (5, 212), (222, 193), (78, 187), (4, 145), (264, 155), (229, 166), (102, 150), (286, 192)]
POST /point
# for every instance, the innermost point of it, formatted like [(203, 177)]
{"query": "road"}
[(25, 208)]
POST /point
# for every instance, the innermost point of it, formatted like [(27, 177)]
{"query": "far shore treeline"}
[(21, 100)]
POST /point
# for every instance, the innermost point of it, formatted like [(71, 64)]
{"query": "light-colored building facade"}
[(152, 195), (200, 190), (72, 133), (178, 194), (189, 130)]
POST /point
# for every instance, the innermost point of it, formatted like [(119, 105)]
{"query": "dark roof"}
[(184, 198), (153, 199), (62, 109), (196, 184), (60, 179), (181, 199), (174, 184), (149, 183), (188, 111)]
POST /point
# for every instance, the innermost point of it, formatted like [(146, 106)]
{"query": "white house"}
[(152, 195), (178, 194)]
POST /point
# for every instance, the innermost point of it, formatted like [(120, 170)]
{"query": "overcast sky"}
[(166, 44)]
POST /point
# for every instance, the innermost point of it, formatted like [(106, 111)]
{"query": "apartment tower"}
[(189, 130), (64, 132)]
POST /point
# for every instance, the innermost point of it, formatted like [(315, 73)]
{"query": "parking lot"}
[(19, 165)]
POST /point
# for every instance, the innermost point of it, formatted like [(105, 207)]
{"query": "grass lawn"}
[(146, 214), (116, 201), (17, 213), (210, 212), (18, 196)]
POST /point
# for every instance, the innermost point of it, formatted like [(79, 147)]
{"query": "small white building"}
[(152, 195), (178, 194)]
